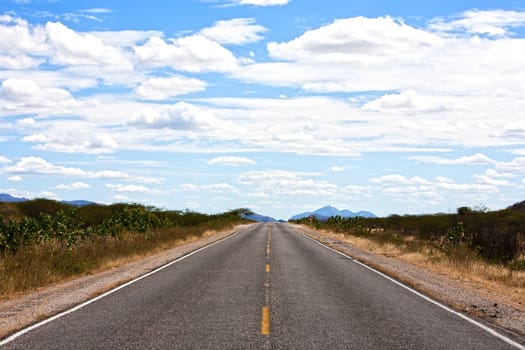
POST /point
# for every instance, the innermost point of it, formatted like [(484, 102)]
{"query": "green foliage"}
[(49, 221), (497, 236)]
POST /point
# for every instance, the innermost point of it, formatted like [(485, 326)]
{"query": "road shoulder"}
[(29, 308), (460, 295)]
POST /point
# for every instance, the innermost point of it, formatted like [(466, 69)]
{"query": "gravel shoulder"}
[(22, 311), (499, 310)]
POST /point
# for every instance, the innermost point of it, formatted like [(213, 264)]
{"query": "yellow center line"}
[(265, 320), (267, 267)]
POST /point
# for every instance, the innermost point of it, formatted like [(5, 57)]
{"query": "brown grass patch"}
[(463, 264)]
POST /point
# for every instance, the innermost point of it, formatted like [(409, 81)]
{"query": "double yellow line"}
[(265, 316)]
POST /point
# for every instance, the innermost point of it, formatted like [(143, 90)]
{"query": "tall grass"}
[(471, 244), (48, 246)]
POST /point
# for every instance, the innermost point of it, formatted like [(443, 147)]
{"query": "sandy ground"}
[(22, 311), (506, 312)]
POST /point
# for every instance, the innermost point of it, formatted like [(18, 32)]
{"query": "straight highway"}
[(265, 287)]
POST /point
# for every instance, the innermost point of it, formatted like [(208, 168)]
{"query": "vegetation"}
[(44, 241), (496, 237)]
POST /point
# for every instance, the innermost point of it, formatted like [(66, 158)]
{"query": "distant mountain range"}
[(4, 197), (259, 218), (324, 213)]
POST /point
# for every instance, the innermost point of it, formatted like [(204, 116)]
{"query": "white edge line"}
[(444, 307), (86, 303)]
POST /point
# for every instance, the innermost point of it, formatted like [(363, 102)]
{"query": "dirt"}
[(23, 310), (504, 311)]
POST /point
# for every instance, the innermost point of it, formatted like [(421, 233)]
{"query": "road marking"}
[(265, 316), (430, 300), (265, 320), (86, 303)]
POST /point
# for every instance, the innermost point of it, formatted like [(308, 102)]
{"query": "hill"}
[(326, 212)]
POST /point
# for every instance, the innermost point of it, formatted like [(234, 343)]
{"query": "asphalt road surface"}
[(266, 287)]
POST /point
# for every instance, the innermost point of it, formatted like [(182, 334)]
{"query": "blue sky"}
[(281, 106)]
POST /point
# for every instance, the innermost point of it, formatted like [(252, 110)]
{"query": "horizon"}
[(274, 105)]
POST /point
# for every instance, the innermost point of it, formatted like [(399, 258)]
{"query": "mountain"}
[(4, 197), (324, 213), (259, 218)]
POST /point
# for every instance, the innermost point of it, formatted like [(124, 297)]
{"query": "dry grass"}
[(462, 264), (50, 263)]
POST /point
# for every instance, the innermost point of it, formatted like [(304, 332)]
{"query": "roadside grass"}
[(51, 262), (458, 262)]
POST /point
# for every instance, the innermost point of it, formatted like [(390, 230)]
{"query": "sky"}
[(280, 106)]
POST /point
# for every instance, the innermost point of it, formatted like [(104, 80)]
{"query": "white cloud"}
[(39, 166), (25, 96), (515, 165), (282, 182), (359, 39), (72, 48), (18, 37), (125, 38), (194, 53), (18, 62), (236, 31), (475, 159), (73, 186), (119, 188), (493, 178), (490, 22), (15, 178), (218, 188), (180, 116), (164, 88), (396, 179), (97, 10), (231, 161), (406, 102), (72, 142), (337, 169), (4, 160), (423, 192)]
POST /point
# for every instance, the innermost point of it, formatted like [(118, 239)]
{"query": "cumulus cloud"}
[(237, 31), (218, 188), (72, 142), (72, 48), (39, 166), (4, 160), (359, 39), (180, 116), (15, 178), (120, 188), (73, 186), (418, 190), (194, 53), (18, 37), (25, 96), (475, 159), (408, 101), (231, 161), (494, 178), (282, 182), (164, 88), (490, 22)]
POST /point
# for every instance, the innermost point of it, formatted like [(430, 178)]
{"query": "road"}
[(266, 287)]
